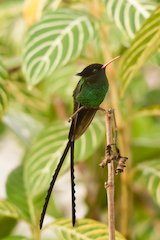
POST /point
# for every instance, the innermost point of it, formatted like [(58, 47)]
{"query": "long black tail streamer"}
[(73, 185), (53, 182)]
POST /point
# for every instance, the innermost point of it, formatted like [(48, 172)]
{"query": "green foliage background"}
[(43, 44)]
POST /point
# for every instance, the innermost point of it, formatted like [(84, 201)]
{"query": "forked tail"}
[(53, 182), (73, 185)]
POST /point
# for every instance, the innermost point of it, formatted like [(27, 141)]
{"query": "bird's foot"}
[(103, 163), (101, 109), (84, 107), (107, 160), (75, 113), (109, 156)]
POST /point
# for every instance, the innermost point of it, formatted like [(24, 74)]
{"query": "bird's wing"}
[(76, 91), (75, 108), (83, 118)]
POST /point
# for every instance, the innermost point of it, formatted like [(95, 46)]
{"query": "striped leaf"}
[(85, 229), (150, 177), (152, 110), (17, 193), (59, 37), (7, 209), (44, 155), (146, 42), (3, 90), (129, 15)]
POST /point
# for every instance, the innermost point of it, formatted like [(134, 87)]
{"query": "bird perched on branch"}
[(87, 96)]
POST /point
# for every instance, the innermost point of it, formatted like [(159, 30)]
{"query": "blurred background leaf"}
[(150, 177), (7, 224), (3, 90), (42, 159), (152, 110), (8, 210), (16, 238), (87, 228), (129, 15), (46, 47), (145, 43), (17, 193)]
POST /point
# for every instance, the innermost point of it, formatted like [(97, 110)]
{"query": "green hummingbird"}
[(87, 97)]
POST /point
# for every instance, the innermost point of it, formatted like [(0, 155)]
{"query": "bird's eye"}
[(94, 70)]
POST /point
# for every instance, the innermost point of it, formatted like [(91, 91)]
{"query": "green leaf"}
[(17, 193), (11, 23), (16, 238), (150, 177), (3, 90), (59, 37), (146, 42), (44, 155), (152, 110), (129, 15), (8, 217), (3, 72), (25, 100), (7, 209), (7, 224), (85, 229), (3, 99)]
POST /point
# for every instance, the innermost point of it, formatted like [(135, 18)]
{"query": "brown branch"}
[(109, 186), (112, 154)]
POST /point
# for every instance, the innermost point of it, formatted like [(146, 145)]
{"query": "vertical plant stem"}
[(109, 186), (36, 232), (124, 140)]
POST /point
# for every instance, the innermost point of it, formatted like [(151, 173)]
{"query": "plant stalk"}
[(109, 186)]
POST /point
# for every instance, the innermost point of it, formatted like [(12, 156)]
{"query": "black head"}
[(90, 70), (95, 68)]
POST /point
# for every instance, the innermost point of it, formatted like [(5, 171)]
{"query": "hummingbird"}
[(87, 97)]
